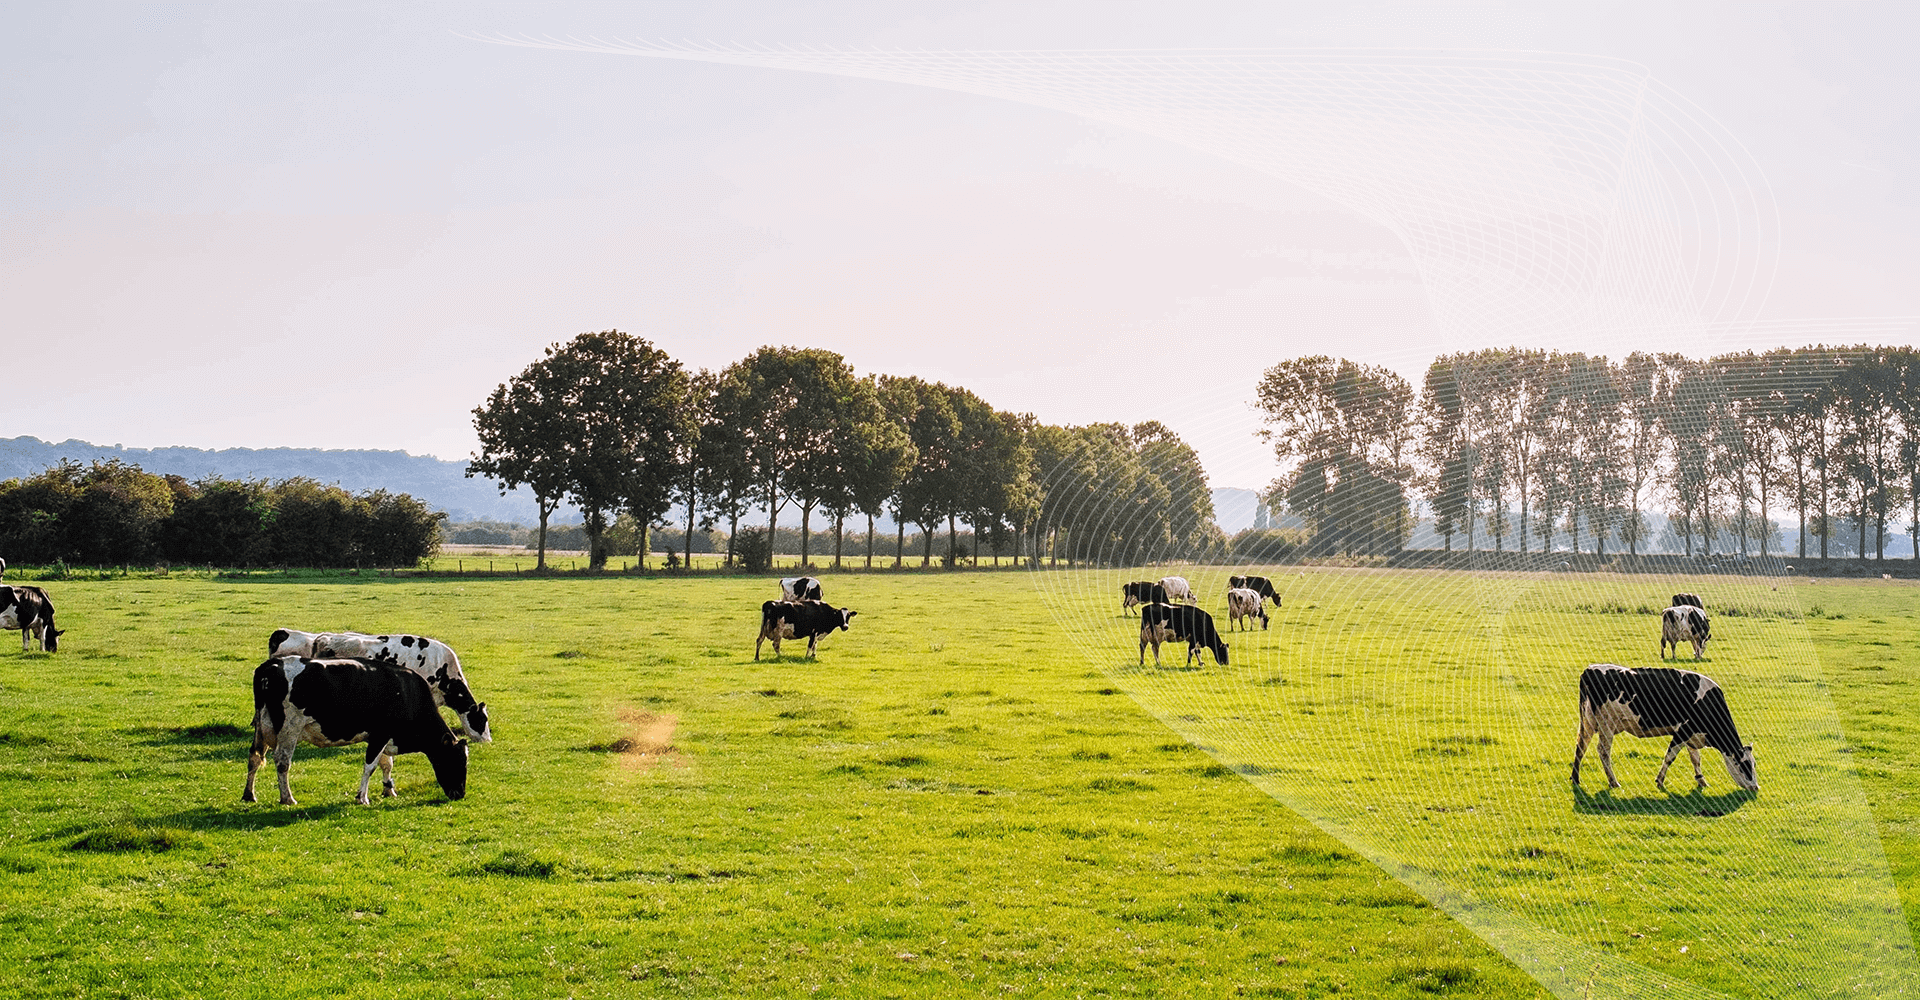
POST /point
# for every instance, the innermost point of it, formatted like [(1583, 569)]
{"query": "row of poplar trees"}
[(1519, 446), (608, 423)]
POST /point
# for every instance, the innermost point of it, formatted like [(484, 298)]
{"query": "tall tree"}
[(1336, 428)]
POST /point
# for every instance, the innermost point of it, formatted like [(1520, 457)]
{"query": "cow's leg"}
[(23, 638), (1699, 779), (757, 644), (1606, 757), (1699, 647), (813, 641), (1673, 750), (386, 770), (1143, 649), (1580, 747), (283, 763), (374, 756), (254, 760)]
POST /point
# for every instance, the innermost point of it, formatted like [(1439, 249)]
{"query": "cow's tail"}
[(270, 694)]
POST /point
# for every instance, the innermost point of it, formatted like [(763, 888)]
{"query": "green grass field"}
[(975, 791)]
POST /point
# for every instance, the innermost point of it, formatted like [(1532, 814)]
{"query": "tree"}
[(1340, 430), (601, 420), (930, 489)]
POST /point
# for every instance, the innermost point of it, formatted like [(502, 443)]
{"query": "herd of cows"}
[(1686, 706), (339, 688)]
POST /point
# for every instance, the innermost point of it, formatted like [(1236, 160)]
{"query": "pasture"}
[(975, 791)]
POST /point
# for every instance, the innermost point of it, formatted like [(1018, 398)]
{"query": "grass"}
[(958, 798)]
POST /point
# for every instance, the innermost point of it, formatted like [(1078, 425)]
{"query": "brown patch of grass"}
[(648, 740)]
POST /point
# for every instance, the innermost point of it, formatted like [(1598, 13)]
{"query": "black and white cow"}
[(1177, 589), (433, 660), (1684, 623), (800, 588), (1245, 603), (1660, 701), (332, 703), (1258, 584), (30, 610), (1169, 622), (1690, 600), (807, 620), (1142, 592)]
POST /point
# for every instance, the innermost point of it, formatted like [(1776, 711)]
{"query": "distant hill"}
[(441, 485)]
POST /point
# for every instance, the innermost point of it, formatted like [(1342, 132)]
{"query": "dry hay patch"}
[(648, 740)]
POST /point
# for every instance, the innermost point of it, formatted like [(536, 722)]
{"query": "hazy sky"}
[(332, 225)]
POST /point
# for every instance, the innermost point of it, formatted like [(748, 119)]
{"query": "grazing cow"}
[(430, 658), (807, 620), (1258, 584), (1660, 701), (1245, 602), (1690, 600), (29, 609), (1142, 592), (1177, 589), (1165, 622), (1684, 623), (800, 588), (332, 703)]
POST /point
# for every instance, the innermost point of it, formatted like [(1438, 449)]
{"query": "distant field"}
[(462, 559), (955, 800)]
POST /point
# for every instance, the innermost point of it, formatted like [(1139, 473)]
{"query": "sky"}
[(339, 225)]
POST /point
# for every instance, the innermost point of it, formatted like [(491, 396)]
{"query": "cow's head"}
[(449, 761), (50, 639), (1220, 651), (1702, 626), (286, 642), (846, 618), (1740, 768)]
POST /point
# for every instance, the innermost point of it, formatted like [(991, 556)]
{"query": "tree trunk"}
[(646, 545), (773, 533), (733, 531), (546, 510), (899, 540), (953, 561), (869, 540), (806, 534), (926, 554), (691, 497), (595, 522), (839, 521)]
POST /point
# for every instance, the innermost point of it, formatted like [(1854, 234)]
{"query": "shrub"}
[(754, 548)]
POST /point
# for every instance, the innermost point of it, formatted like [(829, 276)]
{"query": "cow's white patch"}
[(1706, 684)]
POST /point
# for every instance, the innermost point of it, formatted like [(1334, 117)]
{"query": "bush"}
[(1264, 545), (754, 548), (116, 514)]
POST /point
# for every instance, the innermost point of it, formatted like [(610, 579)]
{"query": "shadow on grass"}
[(206, 741), (1693, 803), (262, 815)]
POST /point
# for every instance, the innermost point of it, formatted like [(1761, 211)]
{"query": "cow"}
[(1142, 592), (1244, 603), (1177, 589), (1258, 584), (30, 610), (1689, 600), (1165, 622), (430, 658), (1660, 701), (1684, 623), (800, 588), (807, 620), (3, 567), (334, 702)]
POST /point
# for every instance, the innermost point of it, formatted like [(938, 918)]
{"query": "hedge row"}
[(114, 514)]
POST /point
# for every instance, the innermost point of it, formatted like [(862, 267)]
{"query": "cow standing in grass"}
[(1684, 623), (1258, 584), (333, 703), (807, 620), (433, 660), (1141, 592), (1245, 603), (1179, 622), (1660, 701), (1177, 589), (30, 610), (800, 588)]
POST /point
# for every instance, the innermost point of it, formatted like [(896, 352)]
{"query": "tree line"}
[(610, 424), (115, 514), (1515, 447)]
